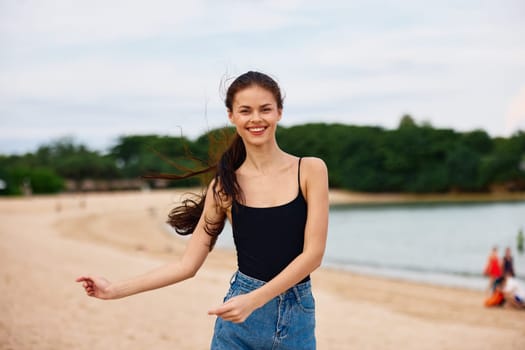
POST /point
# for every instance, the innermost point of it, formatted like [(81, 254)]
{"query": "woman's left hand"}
[(236, 309)]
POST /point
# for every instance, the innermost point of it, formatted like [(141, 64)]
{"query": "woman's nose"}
[(255, 116)]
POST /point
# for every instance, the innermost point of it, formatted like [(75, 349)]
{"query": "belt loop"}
[(297, 294), (234, 277)]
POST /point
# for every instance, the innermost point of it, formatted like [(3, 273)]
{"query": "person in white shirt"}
[(513, 292)]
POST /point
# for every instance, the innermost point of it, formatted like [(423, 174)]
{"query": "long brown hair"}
[(184, 217)]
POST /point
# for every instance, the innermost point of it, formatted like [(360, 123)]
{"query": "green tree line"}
[(412, 158)]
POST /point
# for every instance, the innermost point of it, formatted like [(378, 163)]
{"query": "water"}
[(444, 244)]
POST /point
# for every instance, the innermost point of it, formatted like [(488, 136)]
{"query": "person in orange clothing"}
[(493, 269)]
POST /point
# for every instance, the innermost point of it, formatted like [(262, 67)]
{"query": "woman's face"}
[(255, 115)]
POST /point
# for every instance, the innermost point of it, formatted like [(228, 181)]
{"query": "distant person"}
[(513, 292), (277, 204), (508, 263), (493, 269), (520, 241), (496, 298)]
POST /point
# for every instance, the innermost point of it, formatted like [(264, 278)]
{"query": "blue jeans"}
[(285, 322)]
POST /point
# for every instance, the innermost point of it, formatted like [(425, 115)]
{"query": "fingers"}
[(229, 315), (86, 281), (216, 312), (81, 278), (228, 312), (88, 284), (220, 311)]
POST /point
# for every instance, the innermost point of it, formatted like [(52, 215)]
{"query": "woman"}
[(493, 269), (508, 263), (278, 207)]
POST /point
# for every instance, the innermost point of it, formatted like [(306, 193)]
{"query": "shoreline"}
[(47, 241), (337, 197), (343, 198)]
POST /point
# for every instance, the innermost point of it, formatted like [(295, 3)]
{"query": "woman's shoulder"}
[(216, 193), (314, 179), (313, 164), (313, 173)]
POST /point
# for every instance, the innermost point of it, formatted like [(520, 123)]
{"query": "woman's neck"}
[(265, 158)]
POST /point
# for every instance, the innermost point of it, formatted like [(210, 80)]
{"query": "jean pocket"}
[(229, 295), (235, 289), (306, 302)]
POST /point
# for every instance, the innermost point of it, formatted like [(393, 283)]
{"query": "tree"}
[(407, 122), (463, 164)]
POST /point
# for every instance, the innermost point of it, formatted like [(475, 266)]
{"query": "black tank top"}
[(268, 239)]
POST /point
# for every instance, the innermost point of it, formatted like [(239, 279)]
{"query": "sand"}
[(47, 241)]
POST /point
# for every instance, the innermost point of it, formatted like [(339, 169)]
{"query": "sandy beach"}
[(47, 241)]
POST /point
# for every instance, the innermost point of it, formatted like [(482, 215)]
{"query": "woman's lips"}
[(257, 130)]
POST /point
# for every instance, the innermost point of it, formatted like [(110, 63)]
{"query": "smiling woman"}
[(255, 115), (277, 205)]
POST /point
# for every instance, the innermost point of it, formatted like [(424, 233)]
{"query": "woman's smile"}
[(257, 130)]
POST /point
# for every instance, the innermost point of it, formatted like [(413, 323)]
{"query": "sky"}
[(97, 70)]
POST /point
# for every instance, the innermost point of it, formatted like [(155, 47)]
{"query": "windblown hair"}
[(226, 189)]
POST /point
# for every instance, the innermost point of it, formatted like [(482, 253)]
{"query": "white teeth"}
[(256, 129)]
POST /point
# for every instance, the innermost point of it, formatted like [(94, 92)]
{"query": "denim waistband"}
[(254, 283)]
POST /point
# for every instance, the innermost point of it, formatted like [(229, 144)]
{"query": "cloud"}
[(94, 77), (36, 24), (65, 22)]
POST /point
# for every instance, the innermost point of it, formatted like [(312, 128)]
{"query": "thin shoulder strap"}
[(299, 173)]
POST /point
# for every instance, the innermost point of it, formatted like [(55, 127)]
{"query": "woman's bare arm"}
[(170, 273)]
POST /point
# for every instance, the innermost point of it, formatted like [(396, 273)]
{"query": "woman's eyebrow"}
[(261, 106)]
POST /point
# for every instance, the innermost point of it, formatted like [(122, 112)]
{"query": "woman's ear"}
[(280, 114), (230, 115)]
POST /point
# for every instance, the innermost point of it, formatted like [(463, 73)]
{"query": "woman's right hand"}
[(97, 287)]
